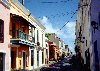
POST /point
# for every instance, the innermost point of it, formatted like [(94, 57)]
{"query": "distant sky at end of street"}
[(53, 14)]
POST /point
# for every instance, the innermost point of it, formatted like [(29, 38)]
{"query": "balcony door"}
[(13, 30)]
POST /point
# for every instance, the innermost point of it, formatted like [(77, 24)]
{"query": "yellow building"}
[(27, 38)]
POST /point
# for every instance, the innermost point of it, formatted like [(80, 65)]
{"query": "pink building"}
[(4, 36)]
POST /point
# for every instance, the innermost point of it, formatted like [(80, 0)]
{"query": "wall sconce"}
[(38, 43), (94, 25)]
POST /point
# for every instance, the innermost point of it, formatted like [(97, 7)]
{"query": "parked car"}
[(62, 66), (50, 68)]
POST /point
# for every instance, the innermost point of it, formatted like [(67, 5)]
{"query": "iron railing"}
[(18, 34)]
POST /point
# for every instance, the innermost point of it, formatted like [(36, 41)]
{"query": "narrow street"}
[(62, 65), (49, 35)]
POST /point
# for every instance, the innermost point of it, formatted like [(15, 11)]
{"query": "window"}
[(1, 31), (99, 18), (86, 42), (32, 57), (34, 34), (42, 57), (96, 56), (42, 40), (46, 45), (37, 58), (37, 35)]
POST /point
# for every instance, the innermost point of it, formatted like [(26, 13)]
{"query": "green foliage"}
[(47, 35)]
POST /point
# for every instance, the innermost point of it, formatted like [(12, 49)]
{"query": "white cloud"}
[(67, 35), (48, 25), (70, 28)]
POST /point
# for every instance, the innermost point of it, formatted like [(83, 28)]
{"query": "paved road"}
[(38, 69)]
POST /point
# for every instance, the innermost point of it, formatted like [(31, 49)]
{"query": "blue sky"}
[(53, 14)]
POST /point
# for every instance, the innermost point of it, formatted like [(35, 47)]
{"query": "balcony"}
[(19, 37)]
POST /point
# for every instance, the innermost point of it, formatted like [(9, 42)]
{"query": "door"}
[(13, 59), (96, 56), (24, 60), (32, 57), (1, 62)]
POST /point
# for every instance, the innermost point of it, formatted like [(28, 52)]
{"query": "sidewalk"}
[(37, 69)]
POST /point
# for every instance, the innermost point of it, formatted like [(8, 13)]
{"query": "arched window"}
[(1, 31)]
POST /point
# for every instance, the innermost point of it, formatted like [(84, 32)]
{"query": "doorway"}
[(13, 59), (2, 62), (24, 60), (96, 56)]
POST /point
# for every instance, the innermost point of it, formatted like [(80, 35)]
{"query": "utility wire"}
[(72, 16), (67, 21)]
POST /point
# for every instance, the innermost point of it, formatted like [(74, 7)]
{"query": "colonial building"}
[(47, 51), (54, 46), (87, 33), (4, 36), (26, 38), (21, 35)]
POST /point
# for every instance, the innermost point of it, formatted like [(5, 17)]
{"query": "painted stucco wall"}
[(90, 13), (5, 47), (19, 58), (83, 26), (95, 16)]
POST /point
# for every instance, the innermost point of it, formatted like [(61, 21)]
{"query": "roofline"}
[(27, 12), (37, 22), (5, 3)]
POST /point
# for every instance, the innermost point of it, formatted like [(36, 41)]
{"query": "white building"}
[(40, 45), (87, 32)]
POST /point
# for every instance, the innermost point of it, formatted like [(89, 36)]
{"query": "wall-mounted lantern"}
[(38, 43), (94, 25)]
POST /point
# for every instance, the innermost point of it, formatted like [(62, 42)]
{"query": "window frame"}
[(1, 31)]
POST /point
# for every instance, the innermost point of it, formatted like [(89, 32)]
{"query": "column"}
[(17, 59)]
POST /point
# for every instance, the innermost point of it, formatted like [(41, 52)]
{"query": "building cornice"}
[(37, 22), (20, 6), (26, 11)]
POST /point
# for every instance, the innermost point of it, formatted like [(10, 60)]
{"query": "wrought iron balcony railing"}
[(17, 34)]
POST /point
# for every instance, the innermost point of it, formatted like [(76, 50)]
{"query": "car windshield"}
[(58, 64), (51, 69)]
